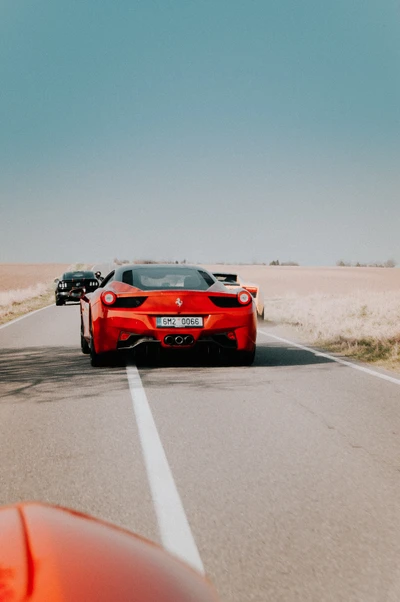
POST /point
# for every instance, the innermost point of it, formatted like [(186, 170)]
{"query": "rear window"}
[(76, 275), (232, 278), (168, 278)]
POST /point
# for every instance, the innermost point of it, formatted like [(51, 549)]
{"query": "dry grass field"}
[(281, 281), (26, 287), (353, 311), (15, 276)]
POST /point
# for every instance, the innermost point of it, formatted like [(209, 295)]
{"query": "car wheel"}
[(96, 359), (59, 301), (84, 344), (245, 358), (261, 316)]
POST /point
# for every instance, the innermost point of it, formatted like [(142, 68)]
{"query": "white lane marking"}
[(26, 316), (391, 379), (173, 524)]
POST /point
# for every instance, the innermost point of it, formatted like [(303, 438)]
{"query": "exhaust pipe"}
[(179, 340)]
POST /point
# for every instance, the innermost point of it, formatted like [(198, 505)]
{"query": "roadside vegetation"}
[(17, 302), (390, 263), (365, 326)]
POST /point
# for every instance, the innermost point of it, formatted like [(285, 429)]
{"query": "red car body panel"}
[(107, 324), (52, 554)]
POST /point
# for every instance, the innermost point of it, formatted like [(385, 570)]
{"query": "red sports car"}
[(170, 306)]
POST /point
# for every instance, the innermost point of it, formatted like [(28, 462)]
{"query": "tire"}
[(261, 316), (84, 344), (245, 358), (96, 359), (59, 301)]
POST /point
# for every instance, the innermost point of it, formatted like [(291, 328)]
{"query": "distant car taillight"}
[(108, 298), (244, 298), (252, 290)]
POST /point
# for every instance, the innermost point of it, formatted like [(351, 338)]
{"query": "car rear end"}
[(175, 320), (73, 284)]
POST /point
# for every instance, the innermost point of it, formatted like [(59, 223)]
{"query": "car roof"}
[(78, 274), (157, 266), (178, 266)]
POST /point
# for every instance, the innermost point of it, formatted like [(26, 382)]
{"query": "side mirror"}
[(56, 280)]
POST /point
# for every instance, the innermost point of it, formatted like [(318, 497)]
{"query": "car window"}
[(78, 274), (207, 277), (165, 277), (231, 278)]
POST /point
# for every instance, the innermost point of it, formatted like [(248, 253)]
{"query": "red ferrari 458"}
[(167, 306)]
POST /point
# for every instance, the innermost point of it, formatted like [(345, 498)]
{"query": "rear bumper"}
[(74, 294), (119, 331), (69, 295)]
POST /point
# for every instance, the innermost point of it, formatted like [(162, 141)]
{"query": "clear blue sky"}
[(205, 130)]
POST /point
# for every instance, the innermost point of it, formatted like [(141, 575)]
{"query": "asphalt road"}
[(284, 478)]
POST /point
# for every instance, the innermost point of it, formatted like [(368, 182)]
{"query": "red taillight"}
[(108, 298), (244, 298)]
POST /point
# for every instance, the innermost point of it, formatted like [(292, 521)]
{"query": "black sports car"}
[(72, 285)]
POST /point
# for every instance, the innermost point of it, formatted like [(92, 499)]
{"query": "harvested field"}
[(15, 276), (280, 281), (26, 287)]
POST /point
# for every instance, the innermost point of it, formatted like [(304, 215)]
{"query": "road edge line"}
[(391, 379), (174, 528), (35, 311)]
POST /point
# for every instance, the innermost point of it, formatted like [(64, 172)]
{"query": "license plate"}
[(180, 322)]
